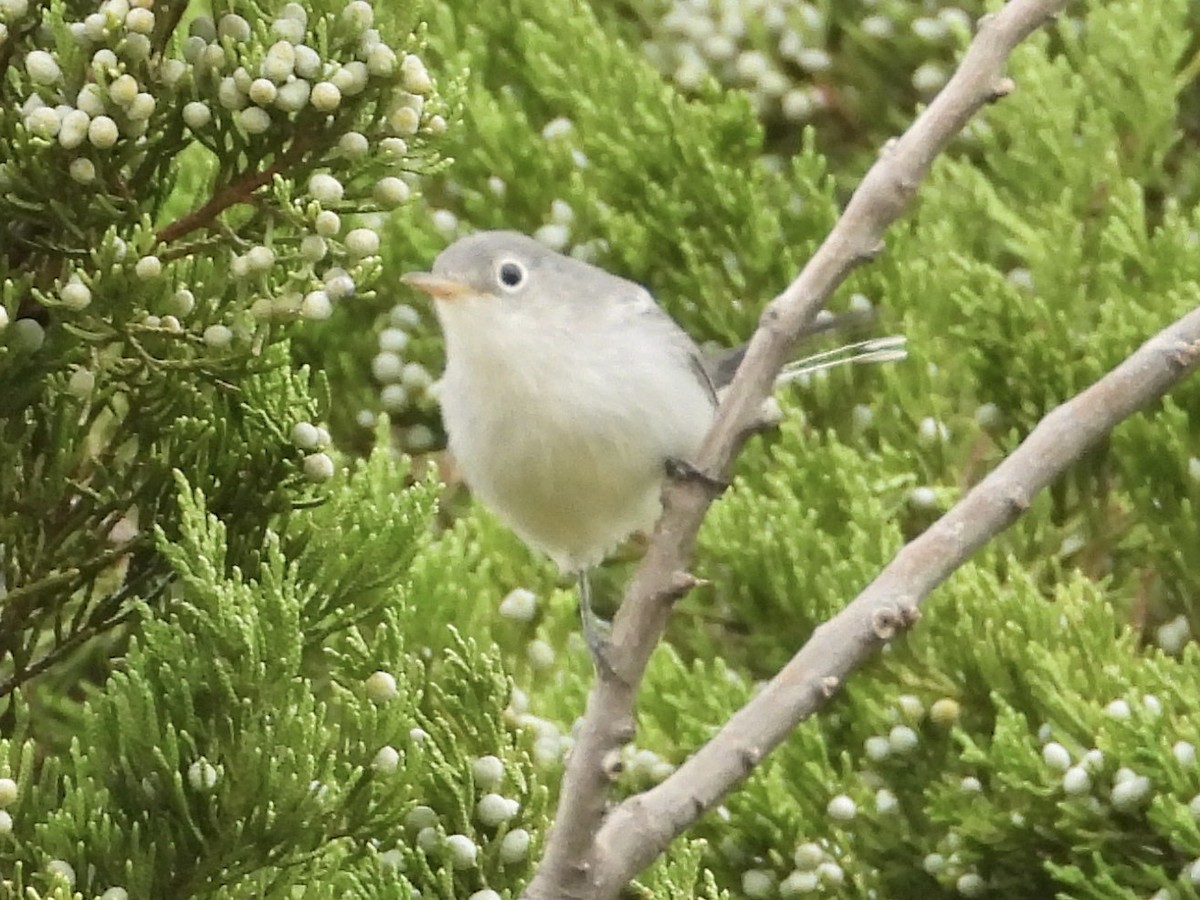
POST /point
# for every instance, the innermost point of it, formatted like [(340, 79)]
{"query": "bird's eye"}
[(511, 274)]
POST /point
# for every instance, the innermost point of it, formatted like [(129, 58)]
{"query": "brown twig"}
[(590, 852), (166, 24), (240, 190)]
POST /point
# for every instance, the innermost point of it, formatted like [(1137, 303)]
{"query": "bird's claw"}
[(682, 470)]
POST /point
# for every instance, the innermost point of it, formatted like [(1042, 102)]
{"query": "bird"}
[(569, 395)]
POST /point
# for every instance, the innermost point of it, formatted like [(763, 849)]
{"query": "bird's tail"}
[(875, 350)]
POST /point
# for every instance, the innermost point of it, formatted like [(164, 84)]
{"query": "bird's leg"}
[(682, 470), (596, 631)]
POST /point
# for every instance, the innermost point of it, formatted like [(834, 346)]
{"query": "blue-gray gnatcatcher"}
[(568, 391)]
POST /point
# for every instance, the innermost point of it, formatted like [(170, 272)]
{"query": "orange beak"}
[(437, 287)]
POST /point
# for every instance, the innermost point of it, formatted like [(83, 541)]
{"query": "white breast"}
[(563, 428)]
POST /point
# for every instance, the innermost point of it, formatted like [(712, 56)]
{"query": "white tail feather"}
[(876, 350)]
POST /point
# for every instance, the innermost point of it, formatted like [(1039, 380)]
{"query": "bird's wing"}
[(696, 361), (656, 317)]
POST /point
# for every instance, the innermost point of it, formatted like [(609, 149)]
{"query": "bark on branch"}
[(635, 832)]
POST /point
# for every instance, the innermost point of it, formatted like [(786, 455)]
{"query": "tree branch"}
[(641, 827), (585, 856), (240, 190)]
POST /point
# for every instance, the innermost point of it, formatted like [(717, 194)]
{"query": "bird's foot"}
[(682, 470), (597, 634)]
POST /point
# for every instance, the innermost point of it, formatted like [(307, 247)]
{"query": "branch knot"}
[(1001, 89)]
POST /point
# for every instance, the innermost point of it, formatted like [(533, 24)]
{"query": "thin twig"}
[(109, 614), (584, 857), (240, 190)]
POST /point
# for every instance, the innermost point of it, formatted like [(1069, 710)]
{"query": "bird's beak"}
[(437, 287)]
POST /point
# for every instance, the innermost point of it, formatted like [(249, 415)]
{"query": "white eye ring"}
[(510, 275)]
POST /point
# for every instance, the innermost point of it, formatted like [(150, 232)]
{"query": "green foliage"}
[(240, 662), (150, 307), (852, 70), (680, 876), (243, 746)]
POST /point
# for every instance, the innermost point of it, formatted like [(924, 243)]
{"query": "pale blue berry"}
[(971, 884), (288, 30), (263, 91), (313, 247), (196, 115), (102, 132), (903, 739), (381, 687), (42, 67), (142, 108), (353, 145), (61, 870), (514, 846), (308, 62), (75, 295), (428, 840), (203, 775), (808, 855), (381, 60), (280, 61), (234, 27), (324, 188), (391, 191), (358, 14), (842, 808), (415, 75), (362, 242), (831, 873), (495, 809), (350, 78), (386, 760), (327, 223), (140, 21), (420, 817), (394, 398), (404, 120), (316, 306), (339, 285), (1056, 756), (1117, 709), (488, 771), (1076, 780), (799, 883), (541, 655), (293, 95), (28, 335), (218, 336), (1172, 636), (305, 436), (758, 884), (519, 604), (463, 851), (325, 96), (148, 267)]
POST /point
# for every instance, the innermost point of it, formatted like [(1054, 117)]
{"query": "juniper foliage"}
[(244, 656)]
